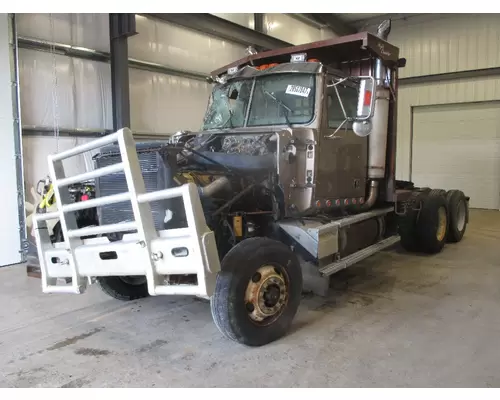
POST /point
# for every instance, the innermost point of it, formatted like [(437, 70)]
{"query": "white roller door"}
[(458, 147), (10, 239)]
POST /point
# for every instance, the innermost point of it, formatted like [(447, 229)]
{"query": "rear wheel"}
[(408, 222), (124, 287), (424, 227), (458, 210), (432, 224), (257, 292)]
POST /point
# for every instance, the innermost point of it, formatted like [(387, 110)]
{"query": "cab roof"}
[(341, 49)]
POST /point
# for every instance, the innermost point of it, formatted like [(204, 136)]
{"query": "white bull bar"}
[(155, 254)]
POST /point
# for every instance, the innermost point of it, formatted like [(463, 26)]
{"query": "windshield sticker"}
[(298, 90)]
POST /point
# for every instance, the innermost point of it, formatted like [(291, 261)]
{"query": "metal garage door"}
[(11, 180), (458, 147)]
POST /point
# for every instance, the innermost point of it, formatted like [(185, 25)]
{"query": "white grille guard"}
[(151, 253)]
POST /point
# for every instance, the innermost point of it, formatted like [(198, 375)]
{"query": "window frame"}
[(348, 84)]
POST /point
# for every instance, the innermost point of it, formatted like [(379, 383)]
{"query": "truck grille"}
[(156, 175)]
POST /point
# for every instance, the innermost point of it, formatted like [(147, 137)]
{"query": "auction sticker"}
[(298, 90)]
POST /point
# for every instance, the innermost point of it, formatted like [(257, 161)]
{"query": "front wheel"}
[(124, 288), (257, 292)]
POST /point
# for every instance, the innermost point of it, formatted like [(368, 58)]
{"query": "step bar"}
[(354, 258)]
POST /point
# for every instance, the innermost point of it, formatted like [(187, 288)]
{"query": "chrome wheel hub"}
[(266, 294)]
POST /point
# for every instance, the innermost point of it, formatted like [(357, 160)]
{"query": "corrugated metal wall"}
[(243, 19), (288, 28), (437, 44), (83, 90)]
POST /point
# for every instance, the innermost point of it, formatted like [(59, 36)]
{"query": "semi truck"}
[(291, 178)]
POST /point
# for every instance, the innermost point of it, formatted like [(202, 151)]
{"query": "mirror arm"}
[(340, 102), (332, 136), (338, 82)]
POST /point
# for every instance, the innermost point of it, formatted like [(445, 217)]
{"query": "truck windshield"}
[(280, 99)]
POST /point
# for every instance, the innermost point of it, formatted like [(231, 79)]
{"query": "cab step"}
[(352, 259)]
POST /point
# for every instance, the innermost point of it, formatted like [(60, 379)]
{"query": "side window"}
[(349, 96)]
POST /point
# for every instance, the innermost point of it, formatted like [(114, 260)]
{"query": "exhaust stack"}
[(377, 141)]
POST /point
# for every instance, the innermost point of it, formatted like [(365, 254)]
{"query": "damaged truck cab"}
[(290, 179)]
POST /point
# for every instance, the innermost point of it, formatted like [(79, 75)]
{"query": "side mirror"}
[(361, 119), (362, 125), (366, 98)]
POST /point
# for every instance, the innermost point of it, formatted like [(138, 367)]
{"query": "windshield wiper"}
[(279, 102)]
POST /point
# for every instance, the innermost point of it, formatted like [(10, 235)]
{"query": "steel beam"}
[(85, 133), (62, 49), (449, 76), (258, 20), (121, 26), (101, 56), (340, 27), (212, 25), (49, 131)]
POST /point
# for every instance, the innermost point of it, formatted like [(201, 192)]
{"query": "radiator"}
[(155, 171)]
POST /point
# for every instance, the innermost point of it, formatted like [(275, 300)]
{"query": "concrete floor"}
[(393, 320)]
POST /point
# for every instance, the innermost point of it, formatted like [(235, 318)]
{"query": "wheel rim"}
[(266, 294), (442, 222), (133, 280), (461, 215)]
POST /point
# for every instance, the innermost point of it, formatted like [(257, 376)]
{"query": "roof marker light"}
[(300, 57)]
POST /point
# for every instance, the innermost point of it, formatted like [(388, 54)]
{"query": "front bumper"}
[(151, 253)]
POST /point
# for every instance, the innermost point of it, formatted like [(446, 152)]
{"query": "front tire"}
[(124, 288), (257, 292)]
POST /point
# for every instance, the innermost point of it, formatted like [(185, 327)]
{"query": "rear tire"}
[(458, 210), (124, 288), (408, 222), (437, 192), (432, 224), (424, 227), (257, 292)]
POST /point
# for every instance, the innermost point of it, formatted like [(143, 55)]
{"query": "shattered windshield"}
[(281, 99)]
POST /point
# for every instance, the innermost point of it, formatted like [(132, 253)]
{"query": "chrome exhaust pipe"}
[(372, 196)]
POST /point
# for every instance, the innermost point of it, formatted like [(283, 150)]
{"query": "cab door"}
[(343, 156)]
